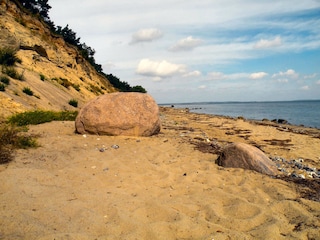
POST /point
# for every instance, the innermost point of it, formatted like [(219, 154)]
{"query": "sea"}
[(306, 112)]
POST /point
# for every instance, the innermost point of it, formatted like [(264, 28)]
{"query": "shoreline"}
[(231, 129), (159, 187), (265, 122), (272, 111)]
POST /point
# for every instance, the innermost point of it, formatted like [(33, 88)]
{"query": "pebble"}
[(115, 146), (295, 168)]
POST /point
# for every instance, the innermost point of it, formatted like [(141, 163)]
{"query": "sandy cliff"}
[(43, 53)]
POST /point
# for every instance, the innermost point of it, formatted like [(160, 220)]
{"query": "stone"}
[(241, 155), (114, 114), (280, 121)]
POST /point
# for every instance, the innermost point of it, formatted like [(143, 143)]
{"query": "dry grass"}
[(11, 138)]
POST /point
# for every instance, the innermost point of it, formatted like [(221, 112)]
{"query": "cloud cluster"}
[(146, 35), (265, 43), (290, 73), (162, 69), (258, 75), (203, 44), (195, 73), (216, 76), (186, 44)]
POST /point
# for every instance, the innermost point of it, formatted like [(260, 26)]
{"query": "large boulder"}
[(241, 155), (128, 114)]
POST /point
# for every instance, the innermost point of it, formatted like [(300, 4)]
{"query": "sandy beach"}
[(167, 186)]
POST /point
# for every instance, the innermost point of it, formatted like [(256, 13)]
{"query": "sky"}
[(184, 51)]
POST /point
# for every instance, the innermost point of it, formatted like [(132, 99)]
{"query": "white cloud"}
[(146, 35), (160, 69), (282, 80), (226, 36), (216, 76), (318, 82), (258, 75), (186, 44), (310, 76), (289, 73), (306, 88), (264, 43), (193, 74), (202, 87)]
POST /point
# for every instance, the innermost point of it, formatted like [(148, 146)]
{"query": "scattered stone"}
[(115, 146), (127, 114), (295, 168), (241, 155)]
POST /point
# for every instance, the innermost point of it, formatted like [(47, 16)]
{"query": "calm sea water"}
[(305, 113)]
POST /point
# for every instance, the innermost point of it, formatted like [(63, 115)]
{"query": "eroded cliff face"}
[(51, 68)]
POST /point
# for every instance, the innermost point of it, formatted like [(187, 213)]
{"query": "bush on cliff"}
[(8, 57)]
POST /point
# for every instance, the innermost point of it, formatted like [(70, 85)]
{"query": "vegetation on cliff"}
[(41, 8)]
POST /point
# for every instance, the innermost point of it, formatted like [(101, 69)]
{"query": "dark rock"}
[(241, 155), (280, 121)]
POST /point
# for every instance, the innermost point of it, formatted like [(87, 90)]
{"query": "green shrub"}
[(12, 137), (5, 80), (20, 20), (39, 116), (2, 87), (27, 91), (65, 82), (76, 87), (6, 154), (8, 57), (95, 89), (11, 72), (73, 103), (42, 77)]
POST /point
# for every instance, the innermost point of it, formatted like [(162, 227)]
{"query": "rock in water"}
[(241, 155), (128, 114)]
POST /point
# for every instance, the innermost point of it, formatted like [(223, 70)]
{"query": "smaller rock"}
[(294, 175), (241, 155)]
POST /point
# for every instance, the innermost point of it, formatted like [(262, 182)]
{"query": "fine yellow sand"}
[(160, 187)]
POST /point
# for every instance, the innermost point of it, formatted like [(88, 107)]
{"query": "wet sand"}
[(166, 186)]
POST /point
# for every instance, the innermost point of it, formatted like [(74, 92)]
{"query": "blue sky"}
[(208, 50)]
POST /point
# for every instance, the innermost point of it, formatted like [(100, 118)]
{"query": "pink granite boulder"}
[(127, 114), (241, 155)]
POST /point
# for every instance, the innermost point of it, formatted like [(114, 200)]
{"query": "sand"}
[(160, 187)]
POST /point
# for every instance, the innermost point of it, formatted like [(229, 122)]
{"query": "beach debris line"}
[(294, 168)]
